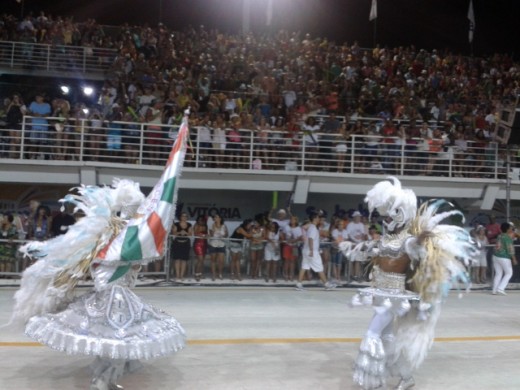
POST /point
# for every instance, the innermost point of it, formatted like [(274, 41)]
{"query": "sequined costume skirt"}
[(388, 290), (113, 323)]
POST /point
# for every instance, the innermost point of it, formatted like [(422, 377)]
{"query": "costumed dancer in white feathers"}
[(414, 264), (120, 231)]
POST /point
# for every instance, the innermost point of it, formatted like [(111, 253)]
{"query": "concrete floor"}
[(255, 338)]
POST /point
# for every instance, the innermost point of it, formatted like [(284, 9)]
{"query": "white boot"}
[(98, 384), (405, 384)]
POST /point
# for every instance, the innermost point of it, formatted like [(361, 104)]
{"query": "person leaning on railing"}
[(8, 233), (39, 134), (200, 245), (14, 116), (180, 247), (256, 246), (218, 233), (435, 145), (273, 235), (291, 248), (236, 247), (311, 140)]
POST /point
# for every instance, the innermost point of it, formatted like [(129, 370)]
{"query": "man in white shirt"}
[(311, 258), (282, 218), (356, 232)]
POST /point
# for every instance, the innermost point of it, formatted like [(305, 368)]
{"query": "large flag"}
[(373, 11), (144, 237), (471, 17)]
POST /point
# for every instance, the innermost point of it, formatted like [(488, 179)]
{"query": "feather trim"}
[(444, 251)]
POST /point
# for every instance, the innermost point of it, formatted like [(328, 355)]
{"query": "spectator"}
[(390, 147), (311, 141), (330, 128), (256, 248), (324, 241), (39, 136), (200, 245), (356, 233), (283, 218), (180, 247), (131, 137), (479, 269), (114, 136), (219, 140), (293, 236), (261, 140), (14, 116), (493, 230), (8, 233), (311, 258), (339, 234), (272, 251), (217, 246), (503, 257), (340, 148), (236, 247), (40, 224), (204, 142), (62, 220), (434, 147), (154, 133)]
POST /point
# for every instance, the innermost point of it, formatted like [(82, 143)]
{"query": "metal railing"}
[(12, 263), (29, 56), (134, 143)]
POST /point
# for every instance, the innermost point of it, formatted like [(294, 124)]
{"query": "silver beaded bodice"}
[(392, 245)]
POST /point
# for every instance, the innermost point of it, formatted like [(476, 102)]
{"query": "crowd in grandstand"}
[(267, 86)]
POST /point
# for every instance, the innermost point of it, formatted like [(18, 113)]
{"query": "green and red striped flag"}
[(144, 237)]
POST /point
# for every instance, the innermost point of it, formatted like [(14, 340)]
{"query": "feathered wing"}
[(62, 261), (442, 252)]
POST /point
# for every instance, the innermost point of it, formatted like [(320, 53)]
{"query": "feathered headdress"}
[(390, 199)]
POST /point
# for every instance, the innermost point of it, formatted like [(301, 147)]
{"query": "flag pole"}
[(375, 32), (373, 17), (471, 18)]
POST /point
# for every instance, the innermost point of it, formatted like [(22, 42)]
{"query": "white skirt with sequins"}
[(113, 323)]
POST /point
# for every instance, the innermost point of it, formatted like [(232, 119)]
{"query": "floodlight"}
[(88, 91), (65, 89)]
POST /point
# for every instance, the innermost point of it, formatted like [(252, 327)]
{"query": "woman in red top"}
[(200, 245)]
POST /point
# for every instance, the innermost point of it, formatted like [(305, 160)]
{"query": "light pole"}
[(246, 14)]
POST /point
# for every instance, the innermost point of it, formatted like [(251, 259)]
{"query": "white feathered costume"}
[(110, 321), (407, 305), (119, 231)]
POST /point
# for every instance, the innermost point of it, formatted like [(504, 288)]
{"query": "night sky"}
[(425, 23)]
